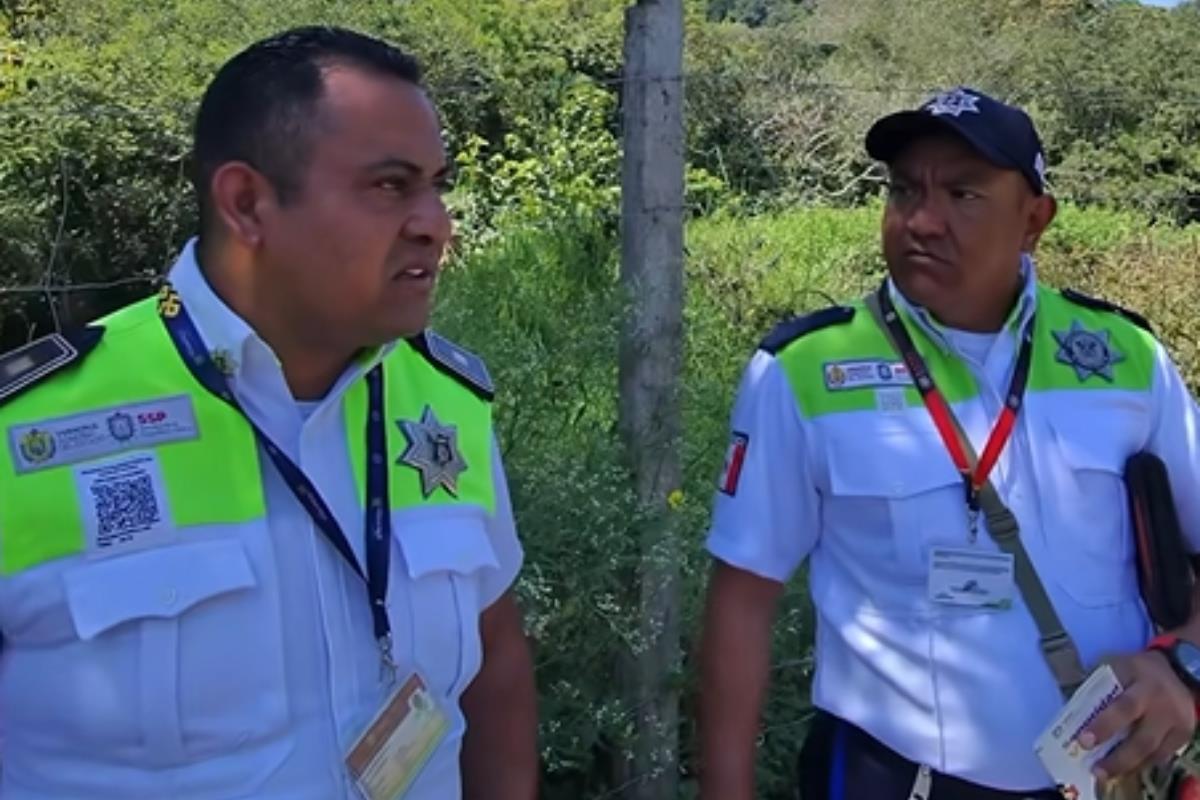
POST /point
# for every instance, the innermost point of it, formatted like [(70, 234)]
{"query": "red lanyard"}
[(943, 417)]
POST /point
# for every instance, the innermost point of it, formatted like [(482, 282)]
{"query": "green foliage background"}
[(96, 98)]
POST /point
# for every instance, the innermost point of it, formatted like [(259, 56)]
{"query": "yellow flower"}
[(675, 499)]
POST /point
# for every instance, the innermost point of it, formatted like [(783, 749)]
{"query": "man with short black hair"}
[(260, 107), (959, 597), (255, 535)]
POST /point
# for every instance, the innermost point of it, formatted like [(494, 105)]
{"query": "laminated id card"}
[(971, 578), (387, 758)]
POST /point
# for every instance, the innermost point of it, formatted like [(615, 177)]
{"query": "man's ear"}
[(1041, 213), (239, 195)]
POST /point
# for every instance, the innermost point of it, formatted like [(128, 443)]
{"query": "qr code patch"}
[(126, 505)]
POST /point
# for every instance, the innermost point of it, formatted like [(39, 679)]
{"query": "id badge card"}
[(398, 743), (971, 578)]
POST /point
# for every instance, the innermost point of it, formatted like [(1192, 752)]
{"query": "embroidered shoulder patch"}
[(1089, 352), (865, 373), (101, 432), (457, 362), (30, 364)]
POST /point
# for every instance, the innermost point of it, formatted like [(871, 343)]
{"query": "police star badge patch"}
[(433, 451), (953, 103), (1089, 352)]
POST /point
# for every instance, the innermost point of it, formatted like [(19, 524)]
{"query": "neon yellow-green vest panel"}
[(215, 478), (410, 384), (804, 359)]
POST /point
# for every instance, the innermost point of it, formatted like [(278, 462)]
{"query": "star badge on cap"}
[(953, 103), (433, 451), (1089, 352)]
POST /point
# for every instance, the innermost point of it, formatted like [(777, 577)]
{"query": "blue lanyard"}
[(195, 354)]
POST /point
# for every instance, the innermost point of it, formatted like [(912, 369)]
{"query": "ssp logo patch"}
[(735, 457)]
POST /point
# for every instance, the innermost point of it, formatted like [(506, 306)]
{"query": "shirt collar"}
[(229, 338), (1023, 309), (227, 335)]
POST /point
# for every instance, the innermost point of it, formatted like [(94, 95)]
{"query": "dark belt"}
[(842, 762)]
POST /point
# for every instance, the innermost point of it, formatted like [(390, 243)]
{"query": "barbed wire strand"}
[(82, 286)]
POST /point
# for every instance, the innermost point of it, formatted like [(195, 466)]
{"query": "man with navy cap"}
[(948, 454)]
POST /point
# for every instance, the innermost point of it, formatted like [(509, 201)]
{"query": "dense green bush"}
[(95, 121)]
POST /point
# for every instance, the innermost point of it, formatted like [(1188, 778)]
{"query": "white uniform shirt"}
[(966, 693), (303, 673)]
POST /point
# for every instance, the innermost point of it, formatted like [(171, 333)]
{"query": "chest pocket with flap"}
[(893, 493), (441, 558)]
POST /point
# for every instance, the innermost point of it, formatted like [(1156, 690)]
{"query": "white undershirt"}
[(971, 345)]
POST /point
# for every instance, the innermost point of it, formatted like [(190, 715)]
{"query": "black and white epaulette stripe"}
[(1087, 301), (790, 330), (457, 362), (30, 364)]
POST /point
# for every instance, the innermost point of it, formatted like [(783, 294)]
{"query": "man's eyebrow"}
[(967, 173), (403, 165), (392, 163)]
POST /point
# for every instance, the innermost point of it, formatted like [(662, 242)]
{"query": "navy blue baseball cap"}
[(1002, 134)]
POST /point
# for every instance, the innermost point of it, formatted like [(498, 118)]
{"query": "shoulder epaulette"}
[(1103, 305), (790, 330), (30, 364), (457, 362)]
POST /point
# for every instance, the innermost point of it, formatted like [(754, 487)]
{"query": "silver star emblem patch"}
[(1089, 352), (433, 451), (953, 103)]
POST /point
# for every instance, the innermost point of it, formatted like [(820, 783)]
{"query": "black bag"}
[(1164, 563)]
